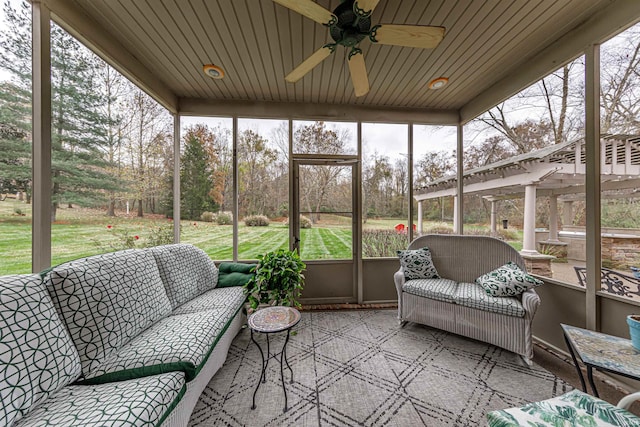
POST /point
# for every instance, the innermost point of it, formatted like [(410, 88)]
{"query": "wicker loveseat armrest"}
[(398, 278), (530, 302)]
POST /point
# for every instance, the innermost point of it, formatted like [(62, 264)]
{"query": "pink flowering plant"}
[(121, 238)]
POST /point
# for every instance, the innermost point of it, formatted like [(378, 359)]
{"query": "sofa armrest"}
[(530, 302), (398, 278), (628, 400)]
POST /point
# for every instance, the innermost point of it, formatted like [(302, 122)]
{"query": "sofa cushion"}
[(440, 289), (417, 264), (37, 357), (216, 298), (106, 300), (507, 281), (140, 402), (186, 271), (176, 343), (473, 295), (571, 409)]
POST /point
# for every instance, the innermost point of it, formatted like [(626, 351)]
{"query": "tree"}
[(78, 168), (256, 173), (195, 173)]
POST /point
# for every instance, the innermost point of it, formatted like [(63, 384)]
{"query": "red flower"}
[(109, 226), (136, 237), (195, 224)]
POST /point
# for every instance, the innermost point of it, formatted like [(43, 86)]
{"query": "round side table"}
[(268, 321)]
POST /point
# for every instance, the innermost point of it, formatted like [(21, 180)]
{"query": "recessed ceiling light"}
[(213, 71), (438, 83)]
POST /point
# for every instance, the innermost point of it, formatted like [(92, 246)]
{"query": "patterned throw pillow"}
[(417, 264), (37, 357), (507, 281)]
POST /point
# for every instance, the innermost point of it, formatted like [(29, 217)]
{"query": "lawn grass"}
[(80, 232)]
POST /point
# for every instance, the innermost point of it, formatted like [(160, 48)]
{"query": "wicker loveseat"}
[(461, 306), (129, 338)]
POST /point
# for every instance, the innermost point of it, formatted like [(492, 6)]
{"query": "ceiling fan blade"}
[(408, 35), (358, 74), (310, 9), (366, 6), (308, 64)]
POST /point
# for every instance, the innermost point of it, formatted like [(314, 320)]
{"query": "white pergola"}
[(557, 172)]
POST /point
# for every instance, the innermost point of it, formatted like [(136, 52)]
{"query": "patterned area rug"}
[(358, 368)]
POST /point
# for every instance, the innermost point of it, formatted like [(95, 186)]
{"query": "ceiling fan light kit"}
[(349, 24), (213, 71), (438, 83)]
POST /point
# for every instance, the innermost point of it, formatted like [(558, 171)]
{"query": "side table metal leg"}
[(264, 378), (262, 374), (575, 363), (590, 376), (286, 360), (283, 356)]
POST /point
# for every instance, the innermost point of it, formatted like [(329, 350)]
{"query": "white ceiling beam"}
[(613, 19), (69, 16), (308, 111)]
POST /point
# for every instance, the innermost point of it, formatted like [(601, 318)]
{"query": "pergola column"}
[(419, 218), (553, 218), (529, 227), (567, 213), (494, 218), (455, 214)]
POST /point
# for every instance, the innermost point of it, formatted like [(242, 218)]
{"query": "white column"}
[(419, 218), (456, 219), (529, 227), (553, 218), (41, 155), (567, 213), (494, 220), (176, 179)]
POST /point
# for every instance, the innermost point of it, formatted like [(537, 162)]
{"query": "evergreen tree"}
[(196, 180), (78, 125)]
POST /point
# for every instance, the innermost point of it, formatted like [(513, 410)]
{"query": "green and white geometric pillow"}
[(106, 300), (186, 271), (507, 281), (37, 357), (417, 264)]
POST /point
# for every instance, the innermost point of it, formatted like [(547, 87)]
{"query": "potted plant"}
[(278, 279)]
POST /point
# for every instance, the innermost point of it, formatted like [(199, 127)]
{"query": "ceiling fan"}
[(349, 24)]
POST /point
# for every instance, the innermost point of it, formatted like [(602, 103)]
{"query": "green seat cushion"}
[(37, 356), (176, 343), (186, 271), (439, 289), (473, 295), (232, 297), (107, 300), (571, 409), (140, 402)]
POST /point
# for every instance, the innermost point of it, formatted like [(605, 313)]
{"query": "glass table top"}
[(274, 319), (604, 351)]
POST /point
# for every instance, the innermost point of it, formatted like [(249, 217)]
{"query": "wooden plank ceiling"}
[(258, 42)]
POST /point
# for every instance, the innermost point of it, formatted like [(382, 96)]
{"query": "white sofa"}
[(129, 338), (457, 304)]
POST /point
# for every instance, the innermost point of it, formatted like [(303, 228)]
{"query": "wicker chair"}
[(463, 259)]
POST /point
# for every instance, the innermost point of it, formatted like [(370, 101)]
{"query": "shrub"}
[(382, 243), (207, 216), (305, 222), (256, 221), (508, 234), (224, 218), (439, 229)]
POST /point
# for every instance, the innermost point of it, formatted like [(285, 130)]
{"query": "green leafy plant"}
[(278, 279)]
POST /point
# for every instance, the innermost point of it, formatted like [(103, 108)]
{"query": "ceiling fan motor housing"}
[(350, 29)]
